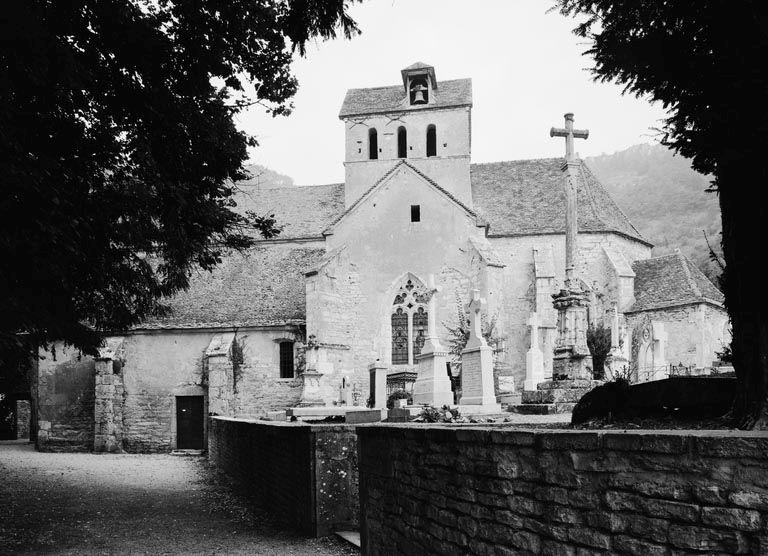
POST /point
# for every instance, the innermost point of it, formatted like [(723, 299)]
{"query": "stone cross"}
[(475, 323), (571, 208), (569, 133), (533, 322), (432, 289)]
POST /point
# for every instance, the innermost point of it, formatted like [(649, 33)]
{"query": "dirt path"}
[(136, 504)]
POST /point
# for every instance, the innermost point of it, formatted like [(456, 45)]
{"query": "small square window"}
[(415, 213)]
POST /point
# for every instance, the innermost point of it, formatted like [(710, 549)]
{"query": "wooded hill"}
[(665, 199)]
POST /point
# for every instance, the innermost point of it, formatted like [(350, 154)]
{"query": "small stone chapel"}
[(363, 269)]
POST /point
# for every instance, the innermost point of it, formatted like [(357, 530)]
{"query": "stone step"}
[(541, 408), (554, 395), (566, 384)]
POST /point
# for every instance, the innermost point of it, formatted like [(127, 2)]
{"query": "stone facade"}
[(493, 490)]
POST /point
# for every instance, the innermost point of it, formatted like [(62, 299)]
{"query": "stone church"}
[(344, 286)]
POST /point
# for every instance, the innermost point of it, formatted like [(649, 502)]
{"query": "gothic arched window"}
[(431, 140), (409, 322), (373, 144), (402, 142)]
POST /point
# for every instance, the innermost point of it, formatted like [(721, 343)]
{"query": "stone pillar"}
[(477, 392), (221, 374), (108, 408), (432, 386), (23, 418), (534, 359), (378, 384), (108, 399)]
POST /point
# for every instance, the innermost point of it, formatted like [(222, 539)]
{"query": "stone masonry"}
[(493, 490)]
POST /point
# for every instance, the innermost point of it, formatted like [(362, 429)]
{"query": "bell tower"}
[(423, 121)]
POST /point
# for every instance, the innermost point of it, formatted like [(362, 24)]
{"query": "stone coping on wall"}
[(288, 424), (730, 443)]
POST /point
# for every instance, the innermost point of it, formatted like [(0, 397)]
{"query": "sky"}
[(526, 66)]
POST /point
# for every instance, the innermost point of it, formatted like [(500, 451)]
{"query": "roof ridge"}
[(688, 275), (399, 86), (438, 186), (621, 211), (365, 194)]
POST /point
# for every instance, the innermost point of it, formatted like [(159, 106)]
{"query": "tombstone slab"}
[(477, 391)]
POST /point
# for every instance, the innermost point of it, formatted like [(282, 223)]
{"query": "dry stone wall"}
[(492, 491), (304, 476)]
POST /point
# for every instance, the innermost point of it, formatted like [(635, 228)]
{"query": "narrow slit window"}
[(402, 142), (373, 144), (415, 213), (286, 360), (431, 140)]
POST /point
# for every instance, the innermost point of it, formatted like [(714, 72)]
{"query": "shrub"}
[(398, 395)]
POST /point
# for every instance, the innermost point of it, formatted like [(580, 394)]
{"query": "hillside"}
[(665, 199), (264, 178)]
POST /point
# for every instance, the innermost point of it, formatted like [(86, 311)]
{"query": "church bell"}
[(418, 97)]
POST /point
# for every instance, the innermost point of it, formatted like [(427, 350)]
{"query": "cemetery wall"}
[(65, 401), (491, 490), (304, 475)]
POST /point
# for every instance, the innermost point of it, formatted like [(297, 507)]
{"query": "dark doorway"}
[(189, 422)]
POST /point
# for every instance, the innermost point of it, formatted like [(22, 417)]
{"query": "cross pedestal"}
[(477, 391), (572, 357)]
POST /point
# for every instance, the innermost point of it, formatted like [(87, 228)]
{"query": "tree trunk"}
[(745, 225)]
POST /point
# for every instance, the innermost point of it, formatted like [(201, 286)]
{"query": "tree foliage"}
[(705, 63), (599, 344), (118, 149)]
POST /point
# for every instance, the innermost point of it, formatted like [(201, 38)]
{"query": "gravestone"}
[(477, 392), (432, 386), (534, 359)]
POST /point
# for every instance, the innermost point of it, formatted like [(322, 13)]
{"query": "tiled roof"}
[(525, 197), (261, 287), (377, 100), (671, 280), (304, 211)]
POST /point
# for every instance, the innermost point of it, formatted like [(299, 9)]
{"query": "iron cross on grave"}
[(569, 133)]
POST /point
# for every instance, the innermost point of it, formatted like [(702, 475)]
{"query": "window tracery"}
[(409, 322)]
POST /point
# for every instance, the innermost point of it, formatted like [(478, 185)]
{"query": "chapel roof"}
[(671, 280), (518, 197), (263, 286), (303, 211), (527, 197), (380, 100)]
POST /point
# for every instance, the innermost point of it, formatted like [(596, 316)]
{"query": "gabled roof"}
[(304, 211), (527, 197), (261, 287), (380, 100), (384, 178), (671, 280)]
